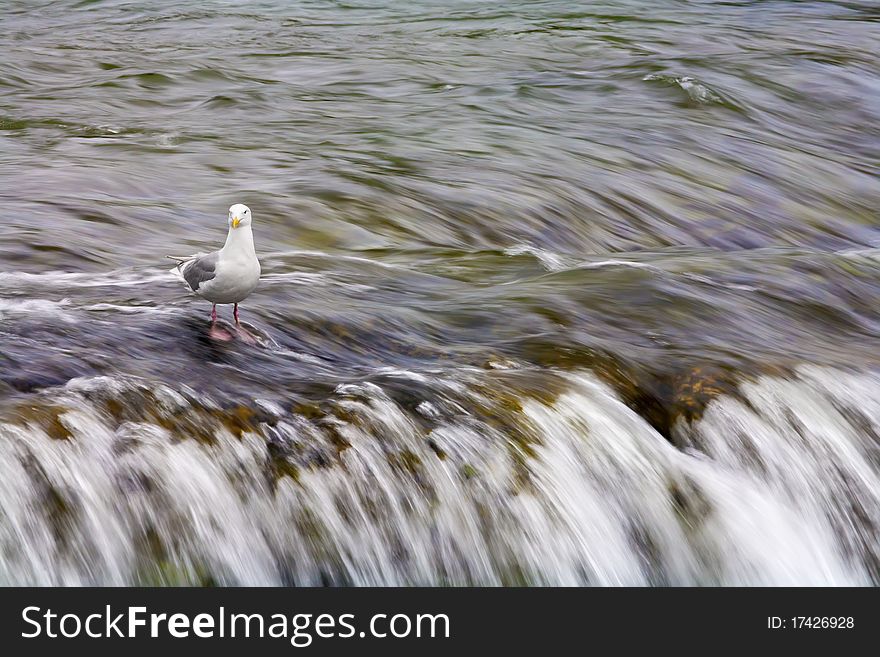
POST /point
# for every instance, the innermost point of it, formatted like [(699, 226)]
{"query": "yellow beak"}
[(235, 222)]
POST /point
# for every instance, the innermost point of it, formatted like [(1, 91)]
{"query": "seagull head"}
[(239, 215)]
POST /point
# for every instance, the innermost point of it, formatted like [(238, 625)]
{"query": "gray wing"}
[(199, 270)]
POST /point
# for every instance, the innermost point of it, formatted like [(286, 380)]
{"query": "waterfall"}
[(113, 481)]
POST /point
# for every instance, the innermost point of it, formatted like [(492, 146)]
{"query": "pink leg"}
[(241, 331), (218, 332)]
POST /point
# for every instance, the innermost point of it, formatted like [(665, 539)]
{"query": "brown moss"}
[(693, 390), (664, 398), (47, 418), (441, 454), (280, 468), (239, 420), (336, 439), (308, 410), (405, 461)]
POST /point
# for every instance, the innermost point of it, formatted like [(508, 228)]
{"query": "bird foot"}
[(218, 333), (245, 336)]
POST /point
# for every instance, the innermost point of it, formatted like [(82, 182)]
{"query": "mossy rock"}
[(47, 417), (694, 390)]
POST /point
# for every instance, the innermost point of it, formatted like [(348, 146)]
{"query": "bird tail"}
[(180, 262)]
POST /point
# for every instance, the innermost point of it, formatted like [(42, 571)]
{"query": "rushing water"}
[(553, 293)]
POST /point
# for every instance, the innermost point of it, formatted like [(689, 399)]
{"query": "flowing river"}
[(553, 293)]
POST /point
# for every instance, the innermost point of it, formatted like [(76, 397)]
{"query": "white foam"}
[(778, 490), (549, 260), (39, 307), (119, 278)]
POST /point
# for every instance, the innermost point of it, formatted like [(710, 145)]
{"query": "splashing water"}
[(489, 488)]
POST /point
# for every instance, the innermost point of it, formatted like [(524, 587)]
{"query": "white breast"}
[(233, 282), (237, 272)]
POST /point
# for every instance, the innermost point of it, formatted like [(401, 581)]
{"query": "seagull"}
[(228, 275)]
